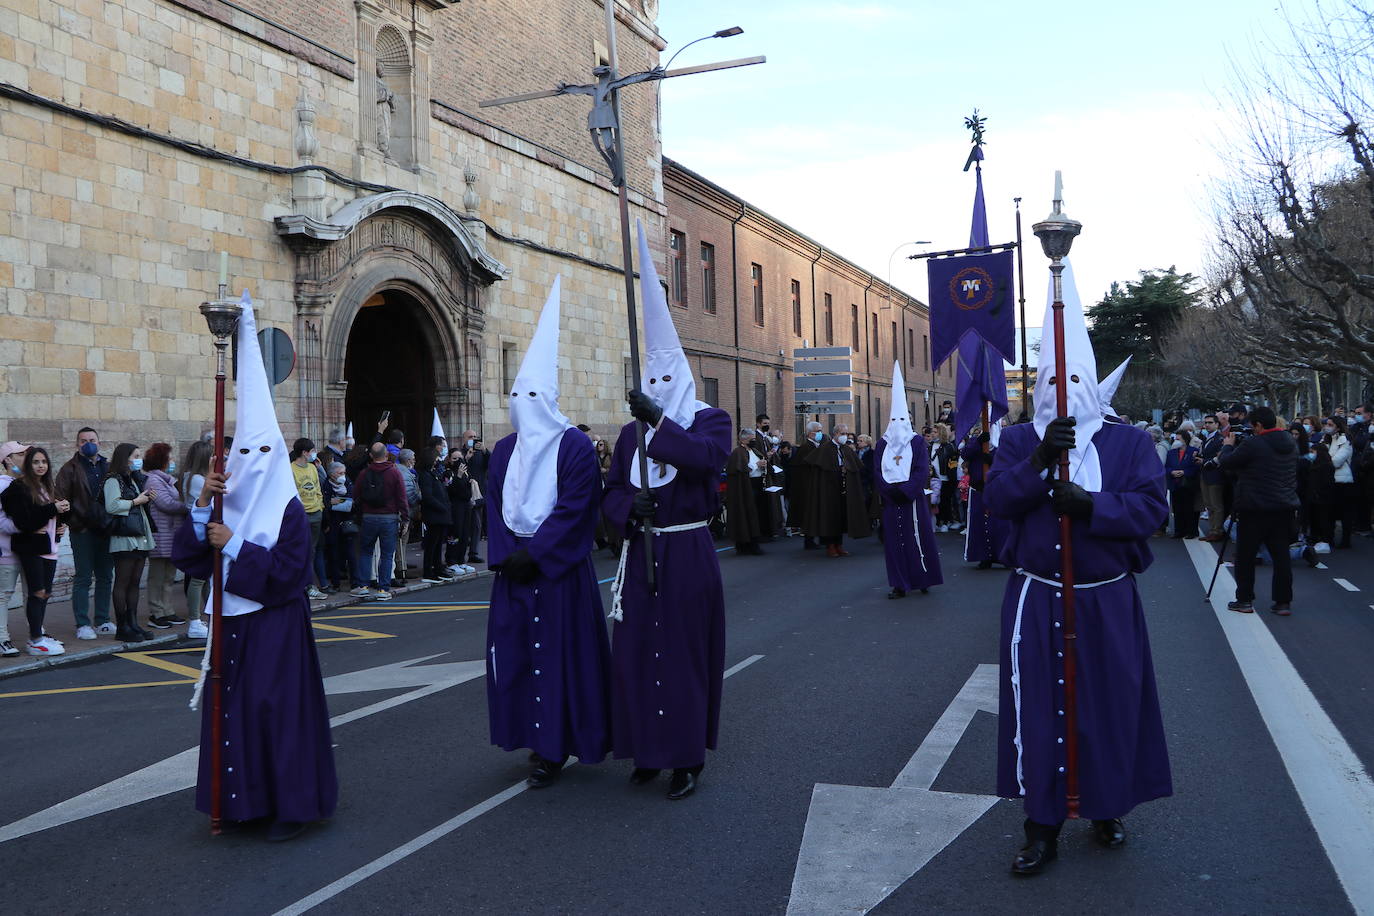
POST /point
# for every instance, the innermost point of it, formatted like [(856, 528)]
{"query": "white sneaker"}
[(314, 594), (197, 630), (941, 529), (1322, 547), (85, 633), (106, 629), (46, 645), (431, 580), (7, 649), (457, 569), (362, 591), (469, 570), (381, 594)]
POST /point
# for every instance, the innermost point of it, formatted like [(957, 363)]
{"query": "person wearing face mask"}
[(767, 505), (1337, 445), (308, 488), (835, 504), (167, 510), (131, 536), (1265, 465), (1181, 477), (743, 489), (1211, 480), (800, 474), (11, 467), (79, 483), (475, 459)]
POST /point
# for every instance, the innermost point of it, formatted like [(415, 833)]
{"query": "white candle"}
[(224, 268)]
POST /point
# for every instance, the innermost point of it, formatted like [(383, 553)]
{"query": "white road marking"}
[(1334, 786), (330, 891), (1347, 585), (178, 772), (1322, 566), (862, 843)]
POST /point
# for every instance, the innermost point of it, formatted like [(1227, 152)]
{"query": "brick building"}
[(402, 236), (748, 289)]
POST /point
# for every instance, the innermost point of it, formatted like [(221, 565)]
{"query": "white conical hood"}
[(260, 484), (1079, 373), (667, 374), (897, 454), (531, 485), (436, 428), (1106, 389), (349, 434)]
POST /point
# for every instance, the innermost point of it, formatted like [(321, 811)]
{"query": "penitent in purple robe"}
[(1123, 759), (548, 657), (913, 559), (278, 756), (670, 646), (985, 534)]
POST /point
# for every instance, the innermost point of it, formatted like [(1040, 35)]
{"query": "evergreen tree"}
[(1135, 317)]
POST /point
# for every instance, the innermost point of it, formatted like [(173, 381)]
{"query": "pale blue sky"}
[(853, 130)]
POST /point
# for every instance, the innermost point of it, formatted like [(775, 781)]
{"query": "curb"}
[(97, 652)]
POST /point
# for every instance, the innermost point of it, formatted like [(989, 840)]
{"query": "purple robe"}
[(1122, 756), (670, 647), (278, 755), (548, 657), (986, 533), (913, 559)]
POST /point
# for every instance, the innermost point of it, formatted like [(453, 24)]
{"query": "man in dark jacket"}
[(1266, 469), (78, 482), (1213, 478), (379, 495)]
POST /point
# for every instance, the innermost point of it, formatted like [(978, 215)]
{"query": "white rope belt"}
[(1031, 575), (1016, 657), (616, 612)]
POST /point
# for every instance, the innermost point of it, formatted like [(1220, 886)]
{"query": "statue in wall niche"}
[(386, 106)]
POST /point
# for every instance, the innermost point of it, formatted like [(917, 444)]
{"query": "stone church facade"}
[(404, 237)]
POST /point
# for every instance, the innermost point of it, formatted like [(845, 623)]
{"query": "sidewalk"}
[(62, 626)]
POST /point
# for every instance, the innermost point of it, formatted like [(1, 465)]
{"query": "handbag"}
[(33, 543), (128, 526)]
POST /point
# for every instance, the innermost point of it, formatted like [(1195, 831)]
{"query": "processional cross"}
[(604, 124)]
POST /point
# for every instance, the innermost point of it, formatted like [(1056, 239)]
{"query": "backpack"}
[(371, 489)]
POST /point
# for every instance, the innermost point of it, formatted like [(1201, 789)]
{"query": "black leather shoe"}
[(1042, 847), (545, 773), (985, 564), (683, 784), (897, 593), (1282, 608), (643, 775), (1111, 834), (808, 544), (281, 831)]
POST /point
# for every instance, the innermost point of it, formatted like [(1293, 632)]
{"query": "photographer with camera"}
[(1265, 464)]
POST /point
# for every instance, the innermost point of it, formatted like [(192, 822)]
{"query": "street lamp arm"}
[(723, 33)]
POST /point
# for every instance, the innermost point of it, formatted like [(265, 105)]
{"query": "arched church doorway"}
[(390, 365)]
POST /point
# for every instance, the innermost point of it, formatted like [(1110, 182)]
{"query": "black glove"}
[(520, 568), (1059, 435), (1068, 498), (642, 506), (642, 407)]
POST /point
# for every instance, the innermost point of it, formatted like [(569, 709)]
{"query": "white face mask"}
[(842, 439), (311, 457)]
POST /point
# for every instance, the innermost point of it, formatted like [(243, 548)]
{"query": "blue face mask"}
[(819, 437), (136, 464), (1307, 428), (90, 449), (171, 467)]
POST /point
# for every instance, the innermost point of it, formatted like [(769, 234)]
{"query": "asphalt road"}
[(847, 687)]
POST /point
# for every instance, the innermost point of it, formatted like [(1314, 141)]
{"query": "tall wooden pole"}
[(641, 454), (1061, 394), (1021, 293)]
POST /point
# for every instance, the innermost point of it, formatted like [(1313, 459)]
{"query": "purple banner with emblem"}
[(972, 293), (980, 379)]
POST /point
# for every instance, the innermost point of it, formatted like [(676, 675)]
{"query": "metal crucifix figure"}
[(605, 127)]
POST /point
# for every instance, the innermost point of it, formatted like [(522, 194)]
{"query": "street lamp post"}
[(1056, 233)]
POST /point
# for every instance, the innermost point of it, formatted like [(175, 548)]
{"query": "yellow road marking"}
[(438, 609), (147, 658), (349, 631), (39, 693)]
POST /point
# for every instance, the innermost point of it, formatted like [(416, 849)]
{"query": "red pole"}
[(216, 618), (1061, 394)]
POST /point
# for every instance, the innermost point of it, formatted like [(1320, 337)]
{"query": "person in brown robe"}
[(743, 486), (799, 478), (835, 506)]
